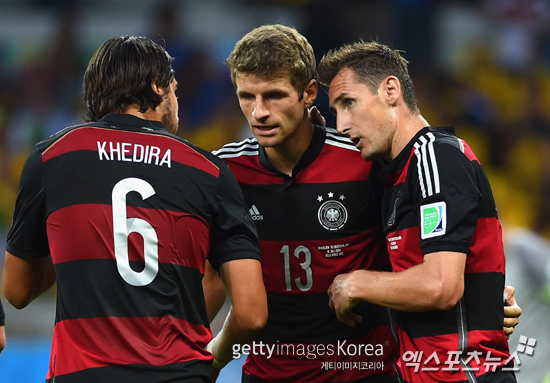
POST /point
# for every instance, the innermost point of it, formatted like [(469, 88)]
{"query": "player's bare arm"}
[(2, 339), (436, 284), (214, 291), (248, 316), (26, 279)]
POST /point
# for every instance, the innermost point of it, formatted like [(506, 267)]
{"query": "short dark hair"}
[(273, 51), (120, 73), (372, 63)]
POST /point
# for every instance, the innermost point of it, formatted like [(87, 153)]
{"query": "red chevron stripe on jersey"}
[(98, 139)]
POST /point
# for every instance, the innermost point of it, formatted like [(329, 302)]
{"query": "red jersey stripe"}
[(326, 258), (487, 247), (107, 341), (93, 138), (183, 238)]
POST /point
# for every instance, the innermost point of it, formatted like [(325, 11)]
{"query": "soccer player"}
[(439, 219), (316, 205), (123, 214)]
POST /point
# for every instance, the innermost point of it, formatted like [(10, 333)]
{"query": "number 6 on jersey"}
[(123, 227)]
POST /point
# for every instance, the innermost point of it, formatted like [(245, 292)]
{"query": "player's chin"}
[(268, 141)]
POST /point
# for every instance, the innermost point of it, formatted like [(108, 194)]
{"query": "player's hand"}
[(316, 117), (511, 311), (341, 302)]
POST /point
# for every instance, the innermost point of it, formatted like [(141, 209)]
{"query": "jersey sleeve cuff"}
[(217, 261), (27, 254)]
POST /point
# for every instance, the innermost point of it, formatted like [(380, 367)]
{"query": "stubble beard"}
[(170, 119)]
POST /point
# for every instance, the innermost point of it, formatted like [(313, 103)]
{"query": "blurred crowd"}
[(482, 66)]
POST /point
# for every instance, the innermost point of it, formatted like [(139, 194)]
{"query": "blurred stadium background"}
[(480, 65)]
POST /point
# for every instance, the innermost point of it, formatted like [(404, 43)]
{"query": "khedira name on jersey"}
[(125, 151)]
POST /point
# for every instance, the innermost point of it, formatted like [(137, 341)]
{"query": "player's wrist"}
[(212, 348), (354, 285)]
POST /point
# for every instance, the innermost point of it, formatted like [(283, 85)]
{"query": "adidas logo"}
[(255, 213)]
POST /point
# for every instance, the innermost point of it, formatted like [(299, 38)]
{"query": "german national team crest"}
[(332, 213)]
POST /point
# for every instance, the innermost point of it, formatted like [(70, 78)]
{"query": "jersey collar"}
[(311, 153), (392, 170), (124, 120)]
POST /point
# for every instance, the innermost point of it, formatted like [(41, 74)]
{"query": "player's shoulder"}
[(444, 138), (336, 139), (47, 142), (441, 147), (247, 147)]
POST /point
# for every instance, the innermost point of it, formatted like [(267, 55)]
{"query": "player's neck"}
[(285, 157), (406, 129), (149, 114)]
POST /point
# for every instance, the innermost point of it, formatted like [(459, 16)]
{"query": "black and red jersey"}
[(438, 198), (130, 213), (322, 221)]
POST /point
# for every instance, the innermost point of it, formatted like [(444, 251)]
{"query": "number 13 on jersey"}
[(302, 253)]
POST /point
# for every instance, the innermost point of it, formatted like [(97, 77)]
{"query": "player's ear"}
[(158, 90), (310, 93), (391, 88)]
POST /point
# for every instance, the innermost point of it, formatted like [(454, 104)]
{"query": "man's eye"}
[(275, 96), (349, 102)]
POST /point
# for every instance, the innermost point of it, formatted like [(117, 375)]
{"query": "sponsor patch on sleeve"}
[(433, 220)]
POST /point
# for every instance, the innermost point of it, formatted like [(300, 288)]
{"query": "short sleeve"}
[(448, 199), (27, 236), (234, 235)]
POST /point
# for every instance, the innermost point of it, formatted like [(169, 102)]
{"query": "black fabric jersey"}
[(129, 213), (321, 222), (438, 199), (2, 315)]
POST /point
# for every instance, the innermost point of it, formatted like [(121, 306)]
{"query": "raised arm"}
[(26, 279)]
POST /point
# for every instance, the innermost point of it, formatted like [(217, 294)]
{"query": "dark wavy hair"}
[(120, 73)]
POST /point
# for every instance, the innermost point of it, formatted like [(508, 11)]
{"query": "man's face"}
[(364, 117), (170, 117), (272, 108)]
